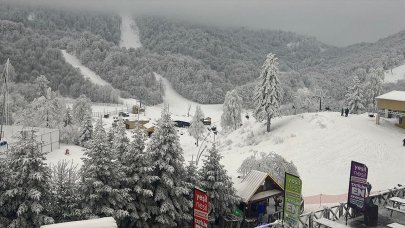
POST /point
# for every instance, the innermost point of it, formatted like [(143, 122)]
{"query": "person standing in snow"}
[(403, 142), (346, 112), (342, 112)]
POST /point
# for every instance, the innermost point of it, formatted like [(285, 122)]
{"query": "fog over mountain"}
[(335, 22)]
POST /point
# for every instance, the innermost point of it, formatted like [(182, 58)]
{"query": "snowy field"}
[(398, 73), (322, 146), (129, 32)]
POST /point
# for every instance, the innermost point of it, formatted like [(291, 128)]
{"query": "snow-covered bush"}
[(69, 134), (271, 163)]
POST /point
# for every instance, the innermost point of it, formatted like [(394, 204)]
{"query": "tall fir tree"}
[(119, 140), (219, 186), (86, 130), (267, 94), (231, 117), (192, 178), (66, 196), (26, 202), (137, 168), (68, 117), (373, 87), (355, 97), (101, 177), (197, 128), (81, 108), (170, 189)]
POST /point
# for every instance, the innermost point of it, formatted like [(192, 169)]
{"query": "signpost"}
[(200, 205), (292, 200), (357, 185)]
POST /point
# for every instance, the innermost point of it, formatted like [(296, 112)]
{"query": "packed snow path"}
[(85, 71), (129, 32), (91, 75), (398, 73)]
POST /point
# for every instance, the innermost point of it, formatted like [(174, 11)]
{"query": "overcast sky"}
[(336, 22)]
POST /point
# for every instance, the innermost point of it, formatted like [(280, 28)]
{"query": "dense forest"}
[(202, 62)]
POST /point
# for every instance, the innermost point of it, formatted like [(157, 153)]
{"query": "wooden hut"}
[(259, 187), (390, 105)]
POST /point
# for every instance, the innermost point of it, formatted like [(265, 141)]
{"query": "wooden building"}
[(259, 187), (392, 105)]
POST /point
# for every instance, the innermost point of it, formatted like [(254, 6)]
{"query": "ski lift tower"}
[(4, 101)]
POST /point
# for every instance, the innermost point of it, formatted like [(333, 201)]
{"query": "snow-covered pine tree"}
[(101, 177), (137, 169), (66, 197), (68, 117), (27, 199), (119, 140), (81, 107), (197, 128), (219, 186), (170, 189), (192, 178), (267, 94), (373, 86), (231, 117), (4, 185), (86, 129), (355, 97)]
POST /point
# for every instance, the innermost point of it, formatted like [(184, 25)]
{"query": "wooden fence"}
[(340, 212)]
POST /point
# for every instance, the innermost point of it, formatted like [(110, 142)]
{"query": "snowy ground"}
[(129, 32), (398, 73), (75, 155), (322, 146)]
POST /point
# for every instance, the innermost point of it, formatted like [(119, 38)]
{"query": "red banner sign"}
[(200, 209)]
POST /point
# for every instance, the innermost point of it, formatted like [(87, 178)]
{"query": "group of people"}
[(345, 111)]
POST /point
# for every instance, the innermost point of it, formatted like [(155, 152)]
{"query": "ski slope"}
[(91, 75), (398, 73), (322, 145), (129, 32)]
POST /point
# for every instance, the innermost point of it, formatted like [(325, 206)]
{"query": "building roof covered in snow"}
[(257, 186), (107, 222), (393, 95)]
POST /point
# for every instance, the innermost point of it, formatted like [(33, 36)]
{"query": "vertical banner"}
[(292, 199), (357, 185), (200, 206)]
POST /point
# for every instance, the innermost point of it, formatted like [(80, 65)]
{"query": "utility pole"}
[(4, 93)]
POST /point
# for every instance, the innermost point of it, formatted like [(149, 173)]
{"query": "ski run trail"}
[(321, 145), (129, 32)]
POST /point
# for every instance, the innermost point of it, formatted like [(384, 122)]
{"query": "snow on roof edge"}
[(393, 95)]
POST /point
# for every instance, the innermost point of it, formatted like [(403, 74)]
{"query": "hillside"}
[(322, 145)]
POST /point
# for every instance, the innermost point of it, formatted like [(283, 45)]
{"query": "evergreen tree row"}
[(138, 185)]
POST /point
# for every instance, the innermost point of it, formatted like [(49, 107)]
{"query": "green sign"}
[(292, 199)]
